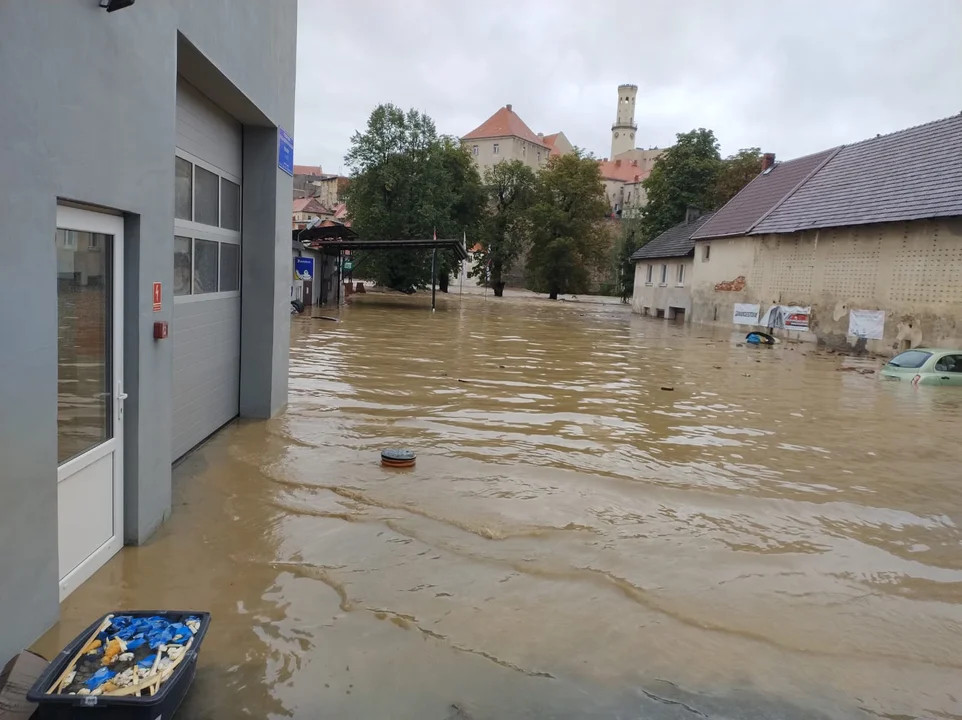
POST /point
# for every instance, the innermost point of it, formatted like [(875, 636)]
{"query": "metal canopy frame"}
[(330, 245)]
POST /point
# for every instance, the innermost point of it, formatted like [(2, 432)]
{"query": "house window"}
[(205, 266), (648, 276), (206, 197), (539, 157), (229, 204), (494, 149), (706, 252), (681, 274), (664, 274), (474, 149)]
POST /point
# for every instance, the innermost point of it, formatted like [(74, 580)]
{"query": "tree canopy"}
[(409, 182), (568, 236), (506, 227), (736, 172)]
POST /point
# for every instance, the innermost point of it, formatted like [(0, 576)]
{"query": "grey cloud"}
[(790, 77)]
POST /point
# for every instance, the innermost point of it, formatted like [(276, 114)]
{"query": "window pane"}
[(182, 254), (182, 189), (229, 205), (205, 196), (205, 266), (84, 300), (229, 267)]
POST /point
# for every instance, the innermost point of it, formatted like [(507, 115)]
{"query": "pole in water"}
[(434, 275)]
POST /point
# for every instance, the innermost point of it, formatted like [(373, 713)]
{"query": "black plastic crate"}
[(161, 706)]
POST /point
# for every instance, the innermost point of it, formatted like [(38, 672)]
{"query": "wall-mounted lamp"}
[(111, 5)]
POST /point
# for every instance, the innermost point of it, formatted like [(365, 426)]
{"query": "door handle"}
[(944, 377)]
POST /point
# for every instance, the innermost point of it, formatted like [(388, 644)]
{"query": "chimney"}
[(541, 135), (768, 161), (508, 107), (692, 214), (617, 163), (637, 178)]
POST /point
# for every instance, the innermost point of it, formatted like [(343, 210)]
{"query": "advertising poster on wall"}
[(787, 317), (745, 314), (869, 324), (304, 268)]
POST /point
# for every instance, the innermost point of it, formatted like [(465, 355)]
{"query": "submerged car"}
[(925, 366)]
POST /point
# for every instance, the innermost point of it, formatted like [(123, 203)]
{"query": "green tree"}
[(505, 229), (683, 176), (568, 235), (631, 240), (409, 182), (736, 172)]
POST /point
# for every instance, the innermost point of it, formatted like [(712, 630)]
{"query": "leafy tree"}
[(631, 240), (568, 235), (409, 182), (683, 176), (736, 172), (505, 229)]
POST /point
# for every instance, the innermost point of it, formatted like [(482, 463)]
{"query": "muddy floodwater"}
[(610, 517)]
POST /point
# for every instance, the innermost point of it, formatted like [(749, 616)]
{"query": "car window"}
[(910, 359), (949, 363)]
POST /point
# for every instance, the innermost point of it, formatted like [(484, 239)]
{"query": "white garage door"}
[(207, 256)]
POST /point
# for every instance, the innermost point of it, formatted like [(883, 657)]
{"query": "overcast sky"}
[(789, 77)]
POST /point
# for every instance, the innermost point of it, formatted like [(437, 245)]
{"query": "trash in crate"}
[(127, 656)]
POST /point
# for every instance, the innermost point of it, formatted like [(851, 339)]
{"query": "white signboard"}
[(868, 324), (746, 314)]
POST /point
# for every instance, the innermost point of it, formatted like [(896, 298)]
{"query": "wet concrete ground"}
[(771, 538)]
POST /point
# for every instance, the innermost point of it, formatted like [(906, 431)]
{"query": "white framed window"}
[(205, 196), (524, 150), (648, 275), (681, 274), (474, 150), (495, 149), (706, 252), (664, 274)]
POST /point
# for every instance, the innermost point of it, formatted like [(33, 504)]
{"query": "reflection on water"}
[(767, 538)]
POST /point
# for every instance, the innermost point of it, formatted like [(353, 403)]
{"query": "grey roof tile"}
[(674, 242), (762, 194), (912, 174)]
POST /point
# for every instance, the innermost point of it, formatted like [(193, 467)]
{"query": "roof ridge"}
[(795, 189), (884, 136)]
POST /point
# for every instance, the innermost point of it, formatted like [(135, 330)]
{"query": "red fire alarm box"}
[(160, 330)]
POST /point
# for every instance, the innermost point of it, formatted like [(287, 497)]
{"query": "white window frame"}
[(651, 270), (201, 231), (495, 149), (474, 150), (681, 275), (664, 274)]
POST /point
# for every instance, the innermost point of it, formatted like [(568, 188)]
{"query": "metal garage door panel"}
[(205, 330)]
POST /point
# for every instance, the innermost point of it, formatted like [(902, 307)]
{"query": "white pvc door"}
[(90, 397)]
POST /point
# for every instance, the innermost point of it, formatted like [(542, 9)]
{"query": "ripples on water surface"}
[(768, 538)]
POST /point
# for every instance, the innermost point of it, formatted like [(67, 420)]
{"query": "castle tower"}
[(623, 131)]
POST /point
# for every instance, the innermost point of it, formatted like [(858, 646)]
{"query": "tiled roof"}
[(676, 242), (504, 123), (340, 211), (549, 140), (304, 205), (912, 174), (623, 170), (740, 214), (307, 170)]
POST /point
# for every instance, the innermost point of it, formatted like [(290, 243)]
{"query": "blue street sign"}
[(285, 151)]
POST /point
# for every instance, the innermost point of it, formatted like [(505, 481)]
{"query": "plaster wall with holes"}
[(910, 270)]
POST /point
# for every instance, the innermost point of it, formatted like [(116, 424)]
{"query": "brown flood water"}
[(770, 539)]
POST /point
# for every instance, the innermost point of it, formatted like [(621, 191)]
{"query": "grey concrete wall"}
[(88, 115)]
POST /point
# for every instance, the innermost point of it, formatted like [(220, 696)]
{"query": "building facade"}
[(145, 249), (663, 272), (505, 136), (868, 229)]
